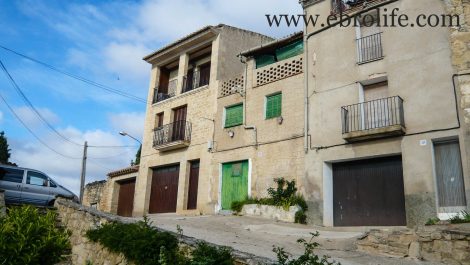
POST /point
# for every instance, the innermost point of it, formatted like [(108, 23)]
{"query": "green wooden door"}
[(234, 183)]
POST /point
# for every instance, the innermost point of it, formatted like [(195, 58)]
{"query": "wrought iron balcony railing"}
[(348, 6), (165, 92), (195, 80), (375, 114), (176, 132), (369, 48)]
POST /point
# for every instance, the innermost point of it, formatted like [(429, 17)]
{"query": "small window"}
[(12, 175), (273, 106), (37, 179), (233, 116)]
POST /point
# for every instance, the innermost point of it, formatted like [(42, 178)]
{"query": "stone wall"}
[(95, 194), (271, 212), (78, 219), (448, 244), (2, 203)]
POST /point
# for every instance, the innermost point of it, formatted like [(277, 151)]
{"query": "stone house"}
[(370, 121), (387, 139)]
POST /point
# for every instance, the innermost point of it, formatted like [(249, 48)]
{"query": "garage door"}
[(164, 190), (369, 193), (126, 198)]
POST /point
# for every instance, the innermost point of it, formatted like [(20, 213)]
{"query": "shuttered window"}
[(273, 106), (234, 116)]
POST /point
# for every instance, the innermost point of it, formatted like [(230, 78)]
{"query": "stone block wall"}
[(271, 212), (447, 244), (95, 193), (2, 203), (78, 219)]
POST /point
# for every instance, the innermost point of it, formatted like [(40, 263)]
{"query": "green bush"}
[(463, 217), (139, 242), (145, 245), (205, 254), (284, 195), (433, 221), (29, 237), (307, 258)]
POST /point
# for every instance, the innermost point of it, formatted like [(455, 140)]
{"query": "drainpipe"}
[(245, 82), (306, 75)]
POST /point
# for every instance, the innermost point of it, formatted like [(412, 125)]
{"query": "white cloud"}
[(66, 171), (31, 118), (125, 60), (132, 123), (1, 116)]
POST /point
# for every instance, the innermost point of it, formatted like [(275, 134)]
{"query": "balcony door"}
[(179, 123), (376, 109), (204, 74)]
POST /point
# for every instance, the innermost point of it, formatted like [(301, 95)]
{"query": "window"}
[(273, 106), (288, 51), (233, 116), (37, 179), (159, 120), (12, 175)]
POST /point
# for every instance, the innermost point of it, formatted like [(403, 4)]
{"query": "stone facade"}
[(419, 70), (447, 244), (94, 195), (2, 204), (271, 212), (78, 219)]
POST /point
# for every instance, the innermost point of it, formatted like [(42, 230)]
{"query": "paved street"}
[(257, 236)]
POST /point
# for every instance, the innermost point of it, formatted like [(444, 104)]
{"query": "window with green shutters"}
[(233, 116), (273, 106)]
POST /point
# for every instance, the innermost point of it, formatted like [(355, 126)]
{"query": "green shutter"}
[(273, 106), (233, 116)]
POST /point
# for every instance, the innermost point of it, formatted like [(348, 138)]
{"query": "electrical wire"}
[(32, 133), (31, 106), (77, 77)]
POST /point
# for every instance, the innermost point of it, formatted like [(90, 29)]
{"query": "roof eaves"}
[(292, 37)]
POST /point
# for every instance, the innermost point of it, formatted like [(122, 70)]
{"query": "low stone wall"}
[(2, 204), (78, 219), (270, 212), (449, 244)]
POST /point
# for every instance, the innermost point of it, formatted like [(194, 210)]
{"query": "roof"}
[(123, 171), (271, 46), (206, 29)]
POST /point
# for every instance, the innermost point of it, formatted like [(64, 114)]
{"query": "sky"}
[(103, 41)]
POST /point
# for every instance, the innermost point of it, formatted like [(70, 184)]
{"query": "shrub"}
[(307, 258), (139, 242), (284, 195), (29, 237), (205, 254), (463, 217), (433, 221)]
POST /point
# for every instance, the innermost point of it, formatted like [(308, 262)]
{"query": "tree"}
[(4, 150), (137, 156)]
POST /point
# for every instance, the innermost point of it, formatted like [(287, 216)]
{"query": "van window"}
[(52, 184), (12, 175), (35, 178)]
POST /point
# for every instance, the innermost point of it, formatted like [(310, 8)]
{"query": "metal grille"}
[(369, 48), (165, 92), (173, 132), (373, 114)]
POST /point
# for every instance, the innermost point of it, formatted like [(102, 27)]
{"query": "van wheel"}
[(51, 203)]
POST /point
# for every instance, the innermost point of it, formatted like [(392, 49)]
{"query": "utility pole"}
[(82, 177)]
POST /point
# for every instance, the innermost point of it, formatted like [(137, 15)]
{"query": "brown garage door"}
[(369, 193), (164, 190), (126, 198)]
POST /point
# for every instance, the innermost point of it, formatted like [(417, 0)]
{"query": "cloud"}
[(30, 117), (1, 116), (66, 171), (132, 123), (125, 60)]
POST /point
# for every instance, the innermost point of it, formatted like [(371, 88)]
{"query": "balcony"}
[(172, 136), (369, 48), (373, 119), (195, 80), (164, 92)]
